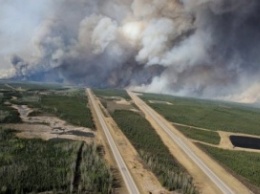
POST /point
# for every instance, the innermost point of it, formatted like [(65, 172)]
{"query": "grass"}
[(9, 115), (241, 163), (154, 153), (31, 166), (200, 135), (214, 115), (111, 93)]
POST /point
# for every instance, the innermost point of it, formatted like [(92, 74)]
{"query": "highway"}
[(223, 187), (129, 182)]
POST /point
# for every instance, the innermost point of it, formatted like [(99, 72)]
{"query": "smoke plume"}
[(200, 48)]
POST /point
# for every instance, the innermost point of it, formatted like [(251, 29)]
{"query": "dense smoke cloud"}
[(202, 48)]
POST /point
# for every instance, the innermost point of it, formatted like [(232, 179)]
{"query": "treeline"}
[(95, 176), (154, 153), (7, 113), (29, 166), (34, 165)]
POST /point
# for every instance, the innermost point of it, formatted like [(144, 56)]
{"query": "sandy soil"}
[(123, 101), (225, 142), (47, 127), (160, 102), (201, 180)]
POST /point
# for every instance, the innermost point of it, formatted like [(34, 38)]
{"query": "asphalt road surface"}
[(162, 123), (129, 182)]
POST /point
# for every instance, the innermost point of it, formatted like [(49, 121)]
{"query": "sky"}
[(197, 48)]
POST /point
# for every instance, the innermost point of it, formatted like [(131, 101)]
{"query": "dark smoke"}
[(202, 48), (230, 64)]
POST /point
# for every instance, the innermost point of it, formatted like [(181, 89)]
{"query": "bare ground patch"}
[(48, 127)]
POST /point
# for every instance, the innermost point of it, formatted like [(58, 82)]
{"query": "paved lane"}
[(162, 123), (130, 184)]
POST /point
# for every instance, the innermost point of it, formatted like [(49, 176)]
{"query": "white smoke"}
[(155, 40), (182, 47), (104, 33)]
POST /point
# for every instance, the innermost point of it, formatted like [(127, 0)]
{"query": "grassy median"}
[(154, 153)]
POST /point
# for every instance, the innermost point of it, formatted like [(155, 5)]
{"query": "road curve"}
[(130, 184), (224, 188)]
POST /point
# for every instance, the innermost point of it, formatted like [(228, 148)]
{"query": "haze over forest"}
[(198, 48)]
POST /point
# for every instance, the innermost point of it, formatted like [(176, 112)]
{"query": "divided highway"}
[(130, 184), (223, 187)]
